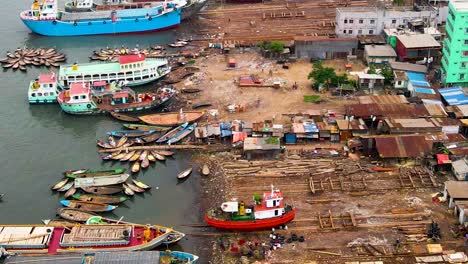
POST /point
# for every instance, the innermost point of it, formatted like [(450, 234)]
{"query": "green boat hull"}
[(90, 173)]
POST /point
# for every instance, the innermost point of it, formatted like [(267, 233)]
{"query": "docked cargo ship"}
[(133, 69), (44, 18), (189, 7), (49, 240), (101, 98), (268, 212)]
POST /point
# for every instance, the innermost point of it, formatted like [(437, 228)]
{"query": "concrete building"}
[(324, 47), (400, 81), (353, 21), (417, 47), (460, 169), (370, 82), (455, 53), (455, 191), (379, 54)]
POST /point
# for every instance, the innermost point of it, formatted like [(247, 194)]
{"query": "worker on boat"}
[(35, 5), (147, 234), (36, 84)]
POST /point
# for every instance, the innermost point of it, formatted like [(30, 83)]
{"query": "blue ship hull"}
[(105, 26)]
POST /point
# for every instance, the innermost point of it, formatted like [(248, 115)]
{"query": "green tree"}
[(275, 47), (387, 72), (399, 2), (322, 75), (340, 79), (371, 70)]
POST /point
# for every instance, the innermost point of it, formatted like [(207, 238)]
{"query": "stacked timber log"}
[(277, 168), (23, 57)]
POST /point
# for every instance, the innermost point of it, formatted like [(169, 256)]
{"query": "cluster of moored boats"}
[(109, 54), (23, 57)]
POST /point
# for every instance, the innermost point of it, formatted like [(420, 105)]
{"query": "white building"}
[(353, 21)]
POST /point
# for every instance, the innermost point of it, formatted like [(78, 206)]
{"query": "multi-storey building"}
[(354, 21), (455, 52)]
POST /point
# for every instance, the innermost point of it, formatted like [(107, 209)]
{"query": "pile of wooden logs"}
[(277, 168)]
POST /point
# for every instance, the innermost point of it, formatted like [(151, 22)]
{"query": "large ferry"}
[(100, 98), (44, 239), (133, 69), (189, 7), (44, 89), (268, 212), (44, 18)]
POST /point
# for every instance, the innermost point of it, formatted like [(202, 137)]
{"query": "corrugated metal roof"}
[(409, 67), (402, 146), (435, 110), (387, 110), (454, 96), (411, 125), (370, 76), (67, 259), (356, 124), (457, 189), (418, 41), (383, 99), (380, 51)]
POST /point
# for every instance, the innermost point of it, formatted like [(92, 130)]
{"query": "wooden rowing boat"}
[(121, 141), (58, 222), (123, 117), (95, 173), (145, 163), (70, 192), (146, 127), (88, 206), (119, 156), (205, 170), (135, 156), (151, 138), (101, 180), (107, 199), (60, 184), (184, 174), (151, 158), (103, 190), (111, 140), (135, 188), (172, 133), (190, 90), (143, 155), (141, 184), (200, 105), (158, 156), (165, 152), (1, 196), (66, 187), (103, 144), (75, 214), (171, 119), (136, 166), (128, 156), (131, 133), (182, 134), (127, 190)]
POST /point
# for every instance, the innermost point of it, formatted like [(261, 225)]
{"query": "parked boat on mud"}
[(171, 119)]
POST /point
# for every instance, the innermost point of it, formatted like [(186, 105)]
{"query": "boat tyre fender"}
[(88, 105), (54, 22), (136, 19), (150, 18), (89, 23), (104, 22), (75, 24)]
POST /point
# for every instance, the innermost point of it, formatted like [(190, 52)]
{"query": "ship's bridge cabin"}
[(43, 10), (78, 93), (83, 3), (131, 62)]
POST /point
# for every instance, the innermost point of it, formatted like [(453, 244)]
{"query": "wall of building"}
[(325, 49), (455, 52)]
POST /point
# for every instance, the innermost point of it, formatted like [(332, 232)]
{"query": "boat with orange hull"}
[(268, 212)]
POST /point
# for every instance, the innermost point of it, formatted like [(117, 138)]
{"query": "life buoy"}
[(88, 105), (104, 22), (75, 24), (54, 22), (150, 18)]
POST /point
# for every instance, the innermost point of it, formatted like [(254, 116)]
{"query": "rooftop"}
[(454, 96), (409, 67), (370, 76), (460, 5), (48, 78), (400, 76), (457, 189), (103, 67), (380, 51), (79, 88), (402, 146), (256, 143), (132, 58), (418, 41), (383, 99), (459, 110)]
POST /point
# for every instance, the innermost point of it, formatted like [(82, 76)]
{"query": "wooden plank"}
[(320, 221), (311, 184), (331, 183), (331, 219), (411, 179), (353, 221), (341, 182)]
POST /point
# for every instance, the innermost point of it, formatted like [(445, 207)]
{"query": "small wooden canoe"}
[(182, 134), (95, 173), (103, 190), (200, 105), (158, 156), (173, 237), (101, 180), (111, 141), (143, 155), (151, 158), (172, 133), (135, 188), (146, 127), (60, 184), (190, 90), (103, 144), (75, 214), (120, 156), (1, 196), (107, 199), (123, 117), (127, 190), (131, 133), (66, 187), (121, 141), (70, 192), (136, 156), (136, 167), (151, 138), (88, 206), (184, 174), (165, 152), (141, 184), (145, 163), (205, 170), (128, 156), (107, 157), (171, 119)]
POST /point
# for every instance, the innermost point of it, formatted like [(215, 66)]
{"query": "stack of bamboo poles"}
[(280, 168)]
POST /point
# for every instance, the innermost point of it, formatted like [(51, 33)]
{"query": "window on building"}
[(344, 31), (462, 76), (361, 21), (75, 97), (393, 21), (83, 97), (371, 32), (359, 31), (350, 31), (372, 21), (466, 41), (399, 82), (466, 30), (463, 64), (346, 21), (351, 21), (465, 53)]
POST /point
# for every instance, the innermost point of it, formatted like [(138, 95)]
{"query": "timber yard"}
[(266, 131)]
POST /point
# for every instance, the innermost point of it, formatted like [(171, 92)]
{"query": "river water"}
[(39, 142)]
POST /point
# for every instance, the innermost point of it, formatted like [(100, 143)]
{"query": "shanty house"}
[(351, 128), (403, 126), (455, 191), (407, 67), (400, 81), (461, 212), (417, 47), (379, 54), (396, 147), (255, 146), (460, 170), (370, 82)]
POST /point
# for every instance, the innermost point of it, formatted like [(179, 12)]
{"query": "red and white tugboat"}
[(268, 212)]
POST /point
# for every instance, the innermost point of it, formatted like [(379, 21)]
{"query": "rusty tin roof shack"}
[(402, 146), (256, 146), (356, 126), (387, 110), (416, 125), (383, 99)]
